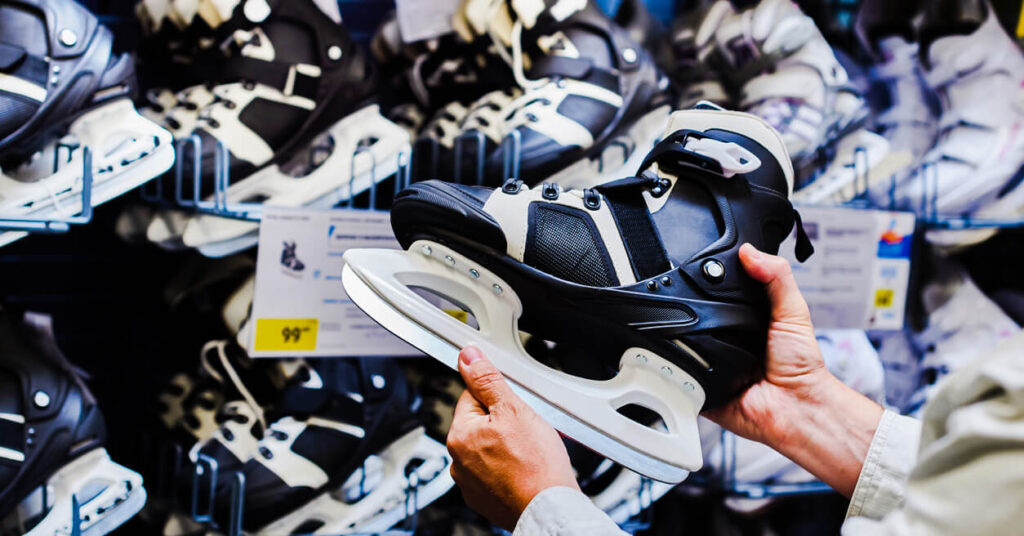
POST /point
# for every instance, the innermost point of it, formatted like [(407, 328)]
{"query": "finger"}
[(788, 304), (467, 407), (483, 380)]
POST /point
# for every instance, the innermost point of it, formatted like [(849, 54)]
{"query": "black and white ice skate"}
[(346, 458), (290, 264), (641, 274), (55, 475), (584, 82)]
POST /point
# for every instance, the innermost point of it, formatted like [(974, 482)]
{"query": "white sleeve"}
[(969, 474), (562, 511)]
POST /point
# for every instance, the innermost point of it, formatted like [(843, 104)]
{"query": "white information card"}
[(860, 270), (299, 306)]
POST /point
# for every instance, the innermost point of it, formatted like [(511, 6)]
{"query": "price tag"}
[(860, 270), (286, 334), (299, 306)]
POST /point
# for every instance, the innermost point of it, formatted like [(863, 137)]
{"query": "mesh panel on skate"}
[(646, 314), (565, 243)]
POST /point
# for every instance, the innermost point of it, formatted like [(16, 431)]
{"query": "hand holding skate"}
[(503, 452), (800, 408)]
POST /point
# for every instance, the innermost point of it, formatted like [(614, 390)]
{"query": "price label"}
[(883, 297), (286, 334)]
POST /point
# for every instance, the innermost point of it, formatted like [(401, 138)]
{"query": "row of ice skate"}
[(498, 98)]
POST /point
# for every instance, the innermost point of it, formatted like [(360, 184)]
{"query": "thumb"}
[(788, 304), (483, 380)]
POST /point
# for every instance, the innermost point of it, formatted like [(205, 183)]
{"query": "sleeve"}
[(562, 511), (969, 473), (891, 456)]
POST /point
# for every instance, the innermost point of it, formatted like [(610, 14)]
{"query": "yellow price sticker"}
[(286, 334), (883, 297), (458, 314)]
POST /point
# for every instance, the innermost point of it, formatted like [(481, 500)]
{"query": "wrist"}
[(828, 430)]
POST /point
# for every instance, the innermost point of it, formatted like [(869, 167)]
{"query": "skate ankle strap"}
[(289, 78), (639, 235)]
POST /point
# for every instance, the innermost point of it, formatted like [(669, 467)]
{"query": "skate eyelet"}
[(666, 281), (713, 270), (550, 191), (214, 123), (532, 118), (278, 435), (591, 199), (265, 452), (661, 188), (227, 434), (652, 286), (249, 85), (230, 104), (512, 186)]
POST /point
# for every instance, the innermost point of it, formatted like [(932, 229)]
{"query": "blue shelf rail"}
[(58, 223)]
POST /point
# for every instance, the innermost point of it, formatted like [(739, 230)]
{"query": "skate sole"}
[(378, 282), (119, 501)]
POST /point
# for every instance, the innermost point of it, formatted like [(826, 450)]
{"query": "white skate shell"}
[(863, 162), (127, 150), (628, 495), (389, 502), (120, 497), (378, 282), (348, 171)]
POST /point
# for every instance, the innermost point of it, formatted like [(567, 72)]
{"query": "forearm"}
[(830, 434)]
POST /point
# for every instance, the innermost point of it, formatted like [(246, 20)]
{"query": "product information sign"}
[(860, 270)]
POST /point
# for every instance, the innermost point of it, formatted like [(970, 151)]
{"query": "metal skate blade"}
[(446, 351)]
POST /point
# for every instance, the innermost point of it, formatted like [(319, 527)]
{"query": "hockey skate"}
[(347, 458), (55, 116), (975, 166), (584, 83), (318, 89), (55, 475), (587, 269), (787, 74), (697, 63)]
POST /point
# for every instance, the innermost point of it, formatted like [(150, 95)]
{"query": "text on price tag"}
[(284, 334)]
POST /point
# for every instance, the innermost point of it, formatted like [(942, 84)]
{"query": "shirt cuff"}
[(881, 486), (562, 511)]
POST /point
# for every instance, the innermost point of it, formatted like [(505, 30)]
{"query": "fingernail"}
[(470, 354)]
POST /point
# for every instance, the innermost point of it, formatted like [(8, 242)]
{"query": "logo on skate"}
[(291, 265)]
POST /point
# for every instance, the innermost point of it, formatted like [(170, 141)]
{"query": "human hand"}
[(800, 409), (503, 453)]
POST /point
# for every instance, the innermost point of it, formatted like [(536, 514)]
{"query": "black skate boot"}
[(55, 475), (641, 275)]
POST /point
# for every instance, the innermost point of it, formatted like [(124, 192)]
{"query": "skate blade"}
[(388, 502), (108, 495), (378, 282), (127, 151), (350, 170), (621, 156)]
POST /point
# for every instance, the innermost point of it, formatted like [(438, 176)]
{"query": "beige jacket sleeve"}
[(968, 476)]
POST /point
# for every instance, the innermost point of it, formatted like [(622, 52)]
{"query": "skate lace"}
[(236, 380), (515, 60)]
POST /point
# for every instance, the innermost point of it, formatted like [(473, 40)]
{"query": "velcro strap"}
[(639, 235), (284, 77), (547, 66)]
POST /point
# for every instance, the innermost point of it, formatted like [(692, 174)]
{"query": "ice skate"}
[(696, 59), (584, 83), (55, 117), (583, 268), (348, 458), (787, 74), (974, 168), (55, 475), (321, 91)]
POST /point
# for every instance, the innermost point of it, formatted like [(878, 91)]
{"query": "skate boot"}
[(974, 168), (584, 83), (347, 457), (55, 475), (602, 270), (697, 61), (70, 92), (787, 74), (294, 88), (619, 492)]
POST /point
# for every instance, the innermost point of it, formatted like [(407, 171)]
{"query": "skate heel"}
[(106, 495), (364, 149), (414, 470), (380, 282)]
